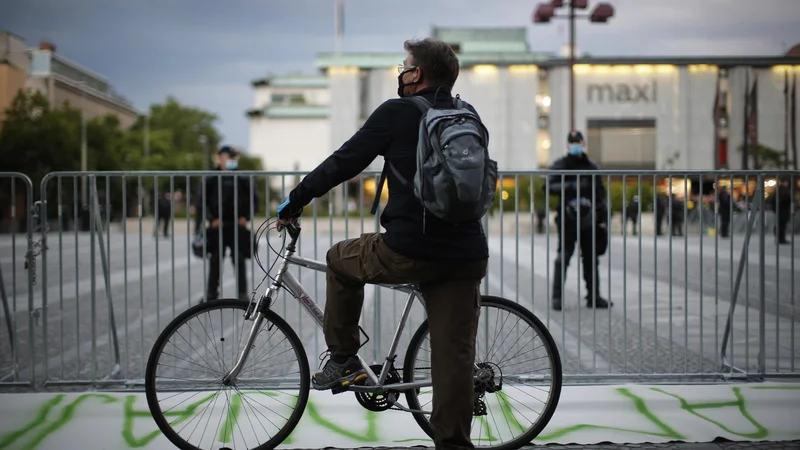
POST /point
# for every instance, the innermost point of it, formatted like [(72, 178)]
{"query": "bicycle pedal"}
[(339, 389), (361, 379)]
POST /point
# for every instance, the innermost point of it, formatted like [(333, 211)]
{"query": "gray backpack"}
[(455, 178)]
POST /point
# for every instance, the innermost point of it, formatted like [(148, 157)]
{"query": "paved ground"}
[(672, 297), (762, 445)]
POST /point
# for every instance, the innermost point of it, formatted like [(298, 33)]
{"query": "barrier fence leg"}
[(6, 310), (115, 369), (762, 298), (751, 218)]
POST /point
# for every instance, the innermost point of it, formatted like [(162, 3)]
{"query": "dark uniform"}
[(573, 207), (677, 218), (164, 214), (781, 202), (235, 204), (724, 199), (661, 210)]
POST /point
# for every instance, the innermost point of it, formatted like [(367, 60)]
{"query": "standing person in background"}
[(661, 209), (632, 214), (676, 223), (164, 206), (781, 203), (724, 205), (234, 203), (578, 205)]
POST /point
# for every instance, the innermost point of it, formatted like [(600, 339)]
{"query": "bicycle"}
[(380, 392)]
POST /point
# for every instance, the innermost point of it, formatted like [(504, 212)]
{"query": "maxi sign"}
[(622, 92)]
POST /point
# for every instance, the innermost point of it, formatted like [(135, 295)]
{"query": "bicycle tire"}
[(551, 348), (271, 317)]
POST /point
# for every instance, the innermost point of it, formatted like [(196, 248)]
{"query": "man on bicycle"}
[(446, 260)]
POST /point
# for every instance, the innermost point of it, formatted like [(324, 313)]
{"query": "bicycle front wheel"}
[(518, 376), (185, 392)]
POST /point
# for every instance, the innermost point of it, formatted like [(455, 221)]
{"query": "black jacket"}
[(570, 184), (230, 197), (781, 201), (392, 131)]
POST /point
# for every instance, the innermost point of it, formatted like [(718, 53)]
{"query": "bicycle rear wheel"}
[(512, 345), (183, 379)]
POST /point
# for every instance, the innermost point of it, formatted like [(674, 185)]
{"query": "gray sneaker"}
[(343, 375)]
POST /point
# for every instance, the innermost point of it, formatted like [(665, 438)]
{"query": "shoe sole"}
[(341, 382)]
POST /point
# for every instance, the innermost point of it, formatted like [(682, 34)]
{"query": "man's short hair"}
[(436, 59)]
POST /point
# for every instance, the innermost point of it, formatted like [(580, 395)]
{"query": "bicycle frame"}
[(286, 279)]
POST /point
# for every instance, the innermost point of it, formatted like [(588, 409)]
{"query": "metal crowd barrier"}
[(689, 305), (17, 272)]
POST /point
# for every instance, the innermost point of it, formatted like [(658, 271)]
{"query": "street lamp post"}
[(204, 142), (146, 137), (546, 11), (84, 151)]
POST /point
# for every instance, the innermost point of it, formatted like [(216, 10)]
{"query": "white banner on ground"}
[(585, 415)]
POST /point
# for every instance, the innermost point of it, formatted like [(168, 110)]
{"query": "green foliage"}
[(37, 138), (518, 192), (768, 157)]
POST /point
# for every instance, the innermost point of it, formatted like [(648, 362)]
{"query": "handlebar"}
[(293, 229)]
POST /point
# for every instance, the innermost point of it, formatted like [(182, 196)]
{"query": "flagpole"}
[(338, 24)]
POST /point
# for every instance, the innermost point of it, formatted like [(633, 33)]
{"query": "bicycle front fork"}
[(231, 376), (254, 309)]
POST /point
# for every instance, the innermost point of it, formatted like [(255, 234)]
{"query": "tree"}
[(174, 137), (37, 138), (768, 157)]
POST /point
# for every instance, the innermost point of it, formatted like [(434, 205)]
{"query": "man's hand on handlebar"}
[(288, 214)]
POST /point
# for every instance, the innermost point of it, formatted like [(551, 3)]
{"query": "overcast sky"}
[(206, 52)]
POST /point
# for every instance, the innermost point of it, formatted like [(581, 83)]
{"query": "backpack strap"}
[(379, 188), (378, 191), (423, 106)]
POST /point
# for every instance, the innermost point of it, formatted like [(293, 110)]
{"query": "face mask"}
[(231, 164), (575, 149), (401, 86)]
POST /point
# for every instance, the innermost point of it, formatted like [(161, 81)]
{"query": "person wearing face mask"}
[(225, 212), (583, 201), (447, 260)]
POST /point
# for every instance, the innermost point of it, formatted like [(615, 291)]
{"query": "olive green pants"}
[(451, 291)]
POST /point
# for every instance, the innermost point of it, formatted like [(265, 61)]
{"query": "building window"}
[(288, 99), (622, 144)]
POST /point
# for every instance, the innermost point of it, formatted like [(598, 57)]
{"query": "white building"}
[(290, 124), (636, 113)]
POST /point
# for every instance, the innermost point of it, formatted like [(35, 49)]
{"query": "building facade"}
[(59, 79), (14, 62), (62, 80), (290, 122), (637, 113), (646, 113)]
